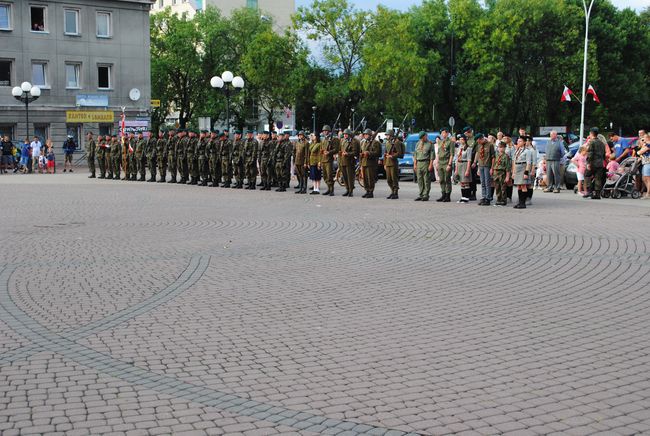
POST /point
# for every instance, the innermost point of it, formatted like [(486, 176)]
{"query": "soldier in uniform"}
[(473, 168), (596, 150), (150, 152), (109, 147), (484, 158), (288, 154), (522, 165), (348, 155), (202, 158), (500, 171), (273, 180), (445, 158), (423, 158), (181, 153), (329, 148), (280, 160), (265, 157), (192, 158), (161, 155), (133, 166), (225, 148), (140, 156), (100, 151), (394, 151), (300, 161), (251, 153), (90, 154), (369, 155), (238, 160), (214, 159), (172, 154), (116, 156)]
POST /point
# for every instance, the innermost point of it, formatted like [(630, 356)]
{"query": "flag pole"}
[(584, 67)]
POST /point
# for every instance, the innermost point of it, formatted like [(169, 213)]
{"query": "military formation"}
[(211, 158)]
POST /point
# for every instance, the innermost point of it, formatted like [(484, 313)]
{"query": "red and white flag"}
[(592, 91), (566, 94)]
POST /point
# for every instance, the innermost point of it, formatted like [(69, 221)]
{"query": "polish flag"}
[(566, 94), (592, 91)]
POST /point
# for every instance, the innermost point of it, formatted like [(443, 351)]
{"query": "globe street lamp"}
[(27, 94), (229, 85)]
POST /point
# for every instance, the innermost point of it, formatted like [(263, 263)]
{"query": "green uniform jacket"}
[(502, 163), (313, 153), (225, 150), (161, 148), (330, 145), (140, 147), (595, 153), (116, 149), (394, 151), (90, 148), (373, 148), (483, 154), (300, 152), (251, 151), (424, 151), (352, 147), (445, 151), (238, 152)]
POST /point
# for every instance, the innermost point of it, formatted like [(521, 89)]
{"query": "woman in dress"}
[(522, 165), (313, 157), (463, 169)]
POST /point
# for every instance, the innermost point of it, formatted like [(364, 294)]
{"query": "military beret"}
[(422, 134), (327, 128), (249, 132), (367, 132), (237, 132), (215, 131), (467, 129), (444, 129), (266, 132), (479, 136), (461, 136), (222, 133)]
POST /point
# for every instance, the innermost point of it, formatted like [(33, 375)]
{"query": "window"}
[(5, 72), (160, 3), (39, 74), (251, 4), (38, 16), (5, 17), (104, 76), (72, 75), (71, 21), (7, 130), (105, 129), (103, 24), (42, 131)]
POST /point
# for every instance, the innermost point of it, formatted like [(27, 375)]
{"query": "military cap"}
[(390, 133), (422, 134), (215, 131), (479, 136), (237, 132), (347, 132), (249, 132), (266, 132), (367, 132), (444, 129), (467, 129), (222, 133), (205, 131), (327, 128), (594, 130)]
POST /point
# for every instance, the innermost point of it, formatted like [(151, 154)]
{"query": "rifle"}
[(402, 123), (373, 140), (359, 125), (335, 123)]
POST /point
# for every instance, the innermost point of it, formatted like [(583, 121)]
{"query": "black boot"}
[(442, 198), (447, 198), (521, 204)]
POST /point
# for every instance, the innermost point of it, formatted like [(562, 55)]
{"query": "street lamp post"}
[(313, 118), (26, 93), (584, 66), (229, 85), (353, 123)]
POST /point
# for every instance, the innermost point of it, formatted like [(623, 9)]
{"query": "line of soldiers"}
[(206, 158)]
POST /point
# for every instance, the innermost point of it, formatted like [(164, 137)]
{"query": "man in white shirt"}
[(36, 152)]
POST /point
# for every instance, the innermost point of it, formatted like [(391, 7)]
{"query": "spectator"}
[(69, 147), (541, 175), (580, 160), (554, 153), (644, 154), (42, 162), (7, 158), (50, 156), (25, 154), (36, 152), (612, 167)]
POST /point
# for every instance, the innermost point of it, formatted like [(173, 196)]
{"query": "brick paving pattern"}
[(144, 309)]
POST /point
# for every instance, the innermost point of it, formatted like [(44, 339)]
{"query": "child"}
[(42, 162), (25, 152), (540, 176), (50, 158), (612, 168), (501, 167), (580, 160)]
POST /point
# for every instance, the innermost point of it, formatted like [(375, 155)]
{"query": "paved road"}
[(139, 308)]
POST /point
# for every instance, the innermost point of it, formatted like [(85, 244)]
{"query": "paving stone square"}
[(144, 309)]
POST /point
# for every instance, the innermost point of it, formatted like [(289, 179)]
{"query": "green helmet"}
[(390, 133), (326, 128), (422, 134), (367, 132), (347, 132)]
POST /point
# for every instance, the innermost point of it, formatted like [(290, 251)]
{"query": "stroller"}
[(622, 181)]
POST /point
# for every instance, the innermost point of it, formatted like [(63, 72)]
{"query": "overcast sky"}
[(405, 4)]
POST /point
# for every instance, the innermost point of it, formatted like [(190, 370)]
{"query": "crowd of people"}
[(30, 157), (498, 163)]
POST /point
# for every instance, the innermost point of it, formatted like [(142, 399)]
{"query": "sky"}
[(405, 4)]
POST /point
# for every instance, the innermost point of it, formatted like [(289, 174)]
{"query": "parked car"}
[(406, 163)]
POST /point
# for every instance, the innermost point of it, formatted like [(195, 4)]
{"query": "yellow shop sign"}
[(89, 117)]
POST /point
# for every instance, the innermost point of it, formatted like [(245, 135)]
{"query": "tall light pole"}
[(313, 118), (27, 94), (229, 85), (353, 124), (584, 66)]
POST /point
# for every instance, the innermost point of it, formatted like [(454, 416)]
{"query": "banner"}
[(89, 117)]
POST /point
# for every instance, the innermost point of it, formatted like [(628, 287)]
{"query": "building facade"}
[(89, 57), (279, 10)]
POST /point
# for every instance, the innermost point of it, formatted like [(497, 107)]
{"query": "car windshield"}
[(540, 144), (410, 146)]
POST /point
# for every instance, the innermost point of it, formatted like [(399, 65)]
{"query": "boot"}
[(447, 198), (442, 198), (252, 185), (330, 189), (173, 179), (204, 182), (109, 177), (521, 204)]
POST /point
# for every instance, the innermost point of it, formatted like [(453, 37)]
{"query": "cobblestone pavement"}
[(140, 308)]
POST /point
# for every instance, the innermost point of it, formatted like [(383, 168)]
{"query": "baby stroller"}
[(622, 182)]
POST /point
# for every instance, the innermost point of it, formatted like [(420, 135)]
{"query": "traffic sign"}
[(155, 103), (452, 122)]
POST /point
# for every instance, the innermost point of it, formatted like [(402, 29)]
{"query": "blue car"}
[(406, 163)]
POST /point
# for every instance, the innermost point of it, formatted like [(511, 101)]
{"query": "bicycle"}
[(357, 176)]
